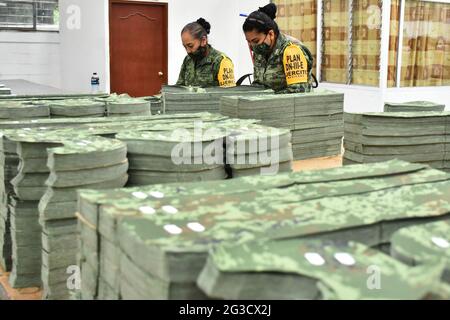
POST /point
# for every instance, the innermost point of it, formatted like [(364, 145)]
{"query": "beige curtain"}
[(335, 41), (426, 44), (393, 43), (366, 44), (298, 18)]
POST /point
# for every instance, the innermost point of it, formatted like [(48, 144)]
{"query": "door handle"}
[(161, 74)]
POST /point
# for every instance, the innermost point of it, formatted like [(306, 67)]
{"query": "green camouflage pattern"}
[(245, 184), (256, 219), (413, 106), (17, 110), (418, 245), (411, 136), (270, 73), (314, 118), (342, 269), (203, 73)]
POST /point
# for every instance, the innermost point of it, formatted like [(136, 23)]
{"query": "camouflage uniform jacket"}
[(214, 70), (273, 72)]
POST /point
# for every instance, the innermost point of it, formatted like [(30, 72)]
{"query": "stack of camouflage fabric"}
[(156, 104), (424, 244), (29, 186), (5, 233), (178, 99), (75, 122), (13, 110), (9, 171), (173, 156), (124, 106), (164, 232), (53, 165), (258, 149), (421, 137), (312, 269), (83, 162), (413, 106), (315, 119), (78, 108), (4, 90)]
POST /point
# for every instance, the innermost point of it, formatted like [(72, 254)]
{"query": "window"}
[(298, 18), (424, 58), (37, 15), (351, 41)]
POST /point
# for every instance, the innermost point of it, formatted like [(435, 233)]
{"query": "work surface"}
[(21, 87)]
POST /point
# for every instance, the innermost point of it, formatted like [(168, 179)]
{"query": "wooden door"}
[(138, 47)]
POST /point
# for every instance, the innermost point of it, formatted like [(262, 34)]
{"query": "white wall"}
[(84, 47), (226, 30), (86, 50), (434, 94), (370, 99), (32, 56)]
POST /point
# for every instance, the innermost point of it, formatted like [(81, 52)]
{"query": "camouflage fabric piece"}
[(410, 136), (90, 199), (346, 271), (178, 195), (77, 108), (413, 106), (124, 105), (172, 231), (72, 155), (22, 110), (180, 99), (423, 244), (314, 118), (270, 72), (203, 73)]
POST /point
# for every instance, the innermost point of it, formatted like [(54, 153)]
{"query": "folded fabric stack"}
[(315, 119), (79, 108), (124, 106), (413, 106), (424, 244), (158, 237), (421, 137), (310, 269), (258, 149), (4, 91), (14, 110), (173, 156), (84, 162), (179, 99), (5, 229)]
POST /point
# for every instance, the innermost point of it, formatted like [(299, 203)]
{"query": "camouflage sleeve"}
[(182, 78), (224, 72), (297, 66)]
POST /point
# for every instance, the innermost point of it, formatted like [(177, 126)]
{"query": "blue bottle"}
[(95, 83)]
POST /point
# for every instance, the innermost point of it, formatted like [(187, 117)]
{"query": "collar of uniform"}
[(206, 60), (279, 46)]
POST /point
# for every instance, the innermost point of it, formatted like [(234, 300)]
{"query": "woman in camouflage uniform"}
[(281, 62), (204, 66)]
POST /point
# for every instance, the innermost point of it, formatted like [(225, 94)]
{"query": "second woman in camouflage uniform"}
[(204, 66), (282, 63)]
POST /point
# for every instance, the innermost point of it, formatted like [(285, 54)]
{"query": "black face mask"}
[(262, 49), (199, 54)]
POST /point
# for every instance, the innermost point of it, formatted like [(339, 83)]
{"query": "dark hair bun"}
[(205, 24), (270, 10)]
